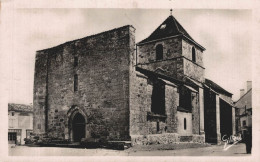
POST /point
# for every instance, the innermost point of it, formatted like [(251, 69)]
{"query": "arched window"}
[(193, 54), (159, 52)]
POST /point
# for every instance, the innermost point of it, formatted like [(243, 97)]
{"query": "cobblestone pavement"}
[(214, 150)]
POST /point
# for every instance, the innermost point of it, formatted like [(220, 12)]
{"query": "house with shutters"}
[(20, 123)]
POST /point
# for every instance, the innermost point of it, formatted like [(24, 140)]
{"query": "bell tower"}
[(171, 51)]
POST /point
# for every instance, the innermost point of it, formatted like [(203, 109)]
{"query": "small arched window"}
[(159, 52), (193, 54)]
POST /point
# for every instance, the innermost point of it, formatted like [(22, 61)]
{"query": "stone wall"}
[(171, 102), (172, 48), (176, 63), (192, 118), (142, 120), (103, 72), (195, 113), (166, 138), (155, 139), (188, 117), (140, 104), (193, 70), (39, 91), (171, 64), (177, 59), (187, 52), (173, 68), (198, 138)]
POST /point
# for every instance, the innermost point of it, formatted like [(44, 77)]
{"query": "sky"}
[(226, 35)]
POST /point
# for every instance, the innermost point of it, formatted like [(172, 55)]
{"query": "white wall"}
[(181, 130), (21, 121)]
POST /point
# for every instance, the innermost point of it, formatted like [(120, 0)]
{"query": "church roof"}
[(165, 77), (170, 27), (216, 87)]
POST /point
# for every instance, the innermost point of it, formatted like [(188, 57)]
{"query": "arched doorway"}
[(78, 127)]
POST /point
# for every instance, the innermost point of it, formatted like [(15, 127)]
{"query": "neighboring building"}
[(244, 109), (20, 124), (101, 86)]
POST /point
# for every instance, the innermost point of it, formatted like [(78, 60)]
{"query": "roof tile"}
[(20, 107)]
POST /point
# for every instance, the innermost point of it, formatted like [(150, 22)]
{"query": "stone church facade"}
[(105, 86)]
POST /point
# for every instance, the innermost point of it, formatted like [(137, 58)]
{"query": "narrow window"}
[(12, 113), (158, 126), (75, 61), (75, 82), (193, 54), (159, 52), (185, 126), (39, 126)]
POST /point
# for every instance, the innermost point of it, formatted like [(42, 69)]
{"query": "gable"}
[(245, 100)]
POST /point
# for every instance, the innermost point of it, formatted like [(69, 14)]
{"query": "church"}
[(107, 86)]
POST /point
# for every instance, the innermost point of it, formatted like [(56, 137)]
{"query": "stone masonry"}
[(103, 85), (107, 87)]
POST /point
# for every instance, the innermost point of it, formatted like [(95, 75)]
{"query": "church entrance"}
[(78, 127)]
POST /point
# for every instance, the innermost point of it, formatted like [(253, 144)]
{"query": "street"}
[(214, 150)]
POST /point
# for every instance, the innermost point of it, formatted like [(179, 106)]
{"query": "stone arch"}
[(75, 111)]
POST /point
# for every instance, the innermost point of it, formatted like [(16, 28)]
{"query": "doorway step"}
[(119, 145), (62, 144), (115, 145)]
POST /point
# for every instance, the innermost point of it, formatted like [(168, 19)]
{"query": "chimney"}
[(242, 92), (249, 85)]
